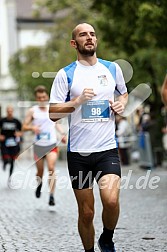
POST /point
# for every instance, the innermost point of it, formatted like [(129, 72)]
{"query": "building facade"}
[(19, 28)]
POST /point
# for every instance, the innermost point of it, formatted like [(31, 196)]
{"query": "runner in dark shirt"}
[(10, 135)]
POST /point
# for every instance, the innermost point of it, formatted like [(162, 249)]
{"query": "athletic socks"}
[(107, 235), (38, 190), (11, 167)]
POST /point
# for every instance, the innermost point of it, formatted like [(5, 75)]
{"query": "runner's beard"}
[(85, 52)]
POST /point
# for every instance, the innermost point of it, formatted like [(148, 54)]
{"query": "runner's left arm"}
[(121, 94)]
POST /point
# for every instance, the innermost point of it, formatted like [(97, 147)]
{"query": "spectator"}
[(123, 133)]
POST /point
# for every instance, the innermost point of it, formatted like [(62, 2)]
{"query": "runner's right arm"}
[(27, 124), (61, 110)]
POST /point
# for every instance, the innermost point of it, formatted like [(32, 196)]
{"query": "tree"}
[(57, 52), (132, 25), (27, 67)]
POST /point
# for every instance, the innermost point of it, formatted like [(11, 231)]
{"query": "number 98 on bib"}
[(95, 111)]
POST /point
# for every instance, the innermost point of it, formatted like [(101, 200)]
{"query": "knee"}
[(39, 174), (111, 204), (87, 216), (51, 171)]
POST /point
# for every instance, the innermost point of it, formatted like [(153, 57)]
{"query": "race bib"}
[(43, 136), (10, 142), (95, 111)]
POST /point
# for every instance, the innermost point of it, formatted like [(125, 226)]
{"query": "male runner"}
[(85, 91)]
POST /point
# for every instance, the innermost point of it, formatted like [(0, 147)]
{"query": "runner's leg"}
[(109, 192), (11, 167), (39, 176), (51, 159), (85, 200)]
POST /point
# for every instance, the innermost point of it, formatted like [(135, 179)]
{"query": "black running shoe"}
[(51, 200), (38, 190), (106, 247)]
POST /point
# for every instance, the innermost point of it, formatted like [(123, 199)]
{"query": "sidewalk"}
[(29, 224)]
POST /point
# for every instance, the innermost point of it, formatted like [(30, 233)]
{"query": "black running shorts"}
[(10, 152), (84, 168)]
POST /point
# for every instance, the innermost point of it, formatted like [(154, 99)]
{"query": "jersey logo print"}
[(103, 80)]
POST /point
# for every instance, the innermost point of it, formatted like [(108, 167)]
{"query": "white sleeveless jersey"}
[(86, 132), (47, 134)]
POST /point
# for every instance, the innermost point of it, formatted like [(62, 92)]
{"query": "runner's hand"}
[(117, 106), (64, 139), (36, 129), (86, 95), (2, 137)]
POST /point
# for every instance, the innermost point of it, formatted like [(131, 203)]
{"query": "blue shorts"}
[(83, 169)]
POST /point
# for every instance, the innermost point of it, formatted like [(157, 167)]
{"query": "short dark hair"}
[(40, 89)]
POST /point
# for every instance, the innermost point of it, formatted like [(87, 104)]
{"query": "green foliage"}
[(149, 67), (27, 61), (132, 25), (57, 52)]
